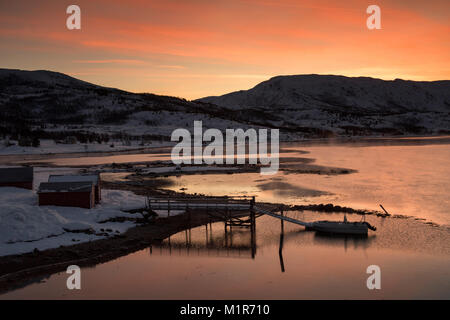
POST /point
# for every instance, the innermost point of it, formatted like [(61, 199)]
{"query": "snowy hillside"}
[(51, 106), (345, 105)]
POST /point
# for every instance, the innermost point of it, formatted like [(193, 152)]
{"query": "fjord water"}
[(412, 180), (407, 176), (288, 263)]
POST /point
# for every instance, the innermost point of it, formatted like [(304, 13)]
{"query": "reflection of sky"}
[(409, 180), (413, 265)]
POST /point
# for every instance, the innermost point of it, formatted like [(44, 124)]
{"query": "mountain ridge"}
[(313, 84), (326, 75), (51, 101), (301, 106), (339, 103)]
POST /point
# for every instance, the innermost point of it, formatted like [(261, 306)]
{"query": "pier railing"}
[(231, 203)]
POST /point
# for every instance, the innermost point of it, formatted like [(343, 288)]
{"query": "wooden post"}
[(252, 214), (231, 236), (384, 210), (226, 234), (189, 217), (280, 249), (210, 231), (253, 227)]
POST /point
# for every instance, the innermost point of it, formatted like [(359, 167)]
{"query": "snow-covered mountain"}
[(50, 105), (341, 104), (55, 102)]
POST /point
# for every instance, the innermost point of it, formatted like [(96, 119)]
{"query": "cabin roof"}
[(21, 174), (73, 178), (47, 187)]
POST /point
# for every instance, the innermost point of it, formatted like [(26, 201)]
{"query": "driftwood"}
[(385, 210)]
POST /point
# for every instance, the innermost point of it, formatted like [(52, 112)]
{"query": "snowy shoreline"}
[(25, 226), (49, 147)]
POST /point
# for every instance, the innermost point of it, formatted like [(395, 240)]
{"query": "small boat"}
[(336, 227), (342, 227)]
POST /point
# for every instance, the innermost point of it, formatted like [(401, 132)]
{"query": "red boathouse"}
[(67, 194), (95, 179)]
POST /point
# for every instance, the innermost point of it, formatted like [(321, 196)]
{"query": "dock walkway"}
[(237, 203)]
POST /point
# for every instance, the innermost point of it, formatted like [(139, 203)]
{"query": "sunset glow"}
[(198, 48)]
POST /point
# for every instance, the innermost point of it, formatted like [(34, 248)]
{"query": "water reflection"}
[(222, 240), (288, 263), (356, 241), (231, 241), (408, 180)]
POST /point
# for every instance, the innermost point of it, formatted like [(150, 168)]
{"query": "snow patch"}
[(25, 226)]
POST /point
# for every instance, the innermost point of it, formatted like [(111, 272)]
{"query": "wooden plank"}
[(305, 224)]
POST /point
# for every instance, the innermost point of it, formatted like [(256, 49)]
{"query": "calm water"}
[(408, 180), (288, 262), (413, 265)]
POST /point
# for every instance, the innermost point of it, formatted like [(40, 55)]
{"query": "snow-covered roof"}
[(73, 178), (47, 187), (22, 174)]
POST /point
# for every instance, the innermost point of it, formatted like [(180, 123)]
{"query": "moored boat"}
[(359, 228), (342, 227)]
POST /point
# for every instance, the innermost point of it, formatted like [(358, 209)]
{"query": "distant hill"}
[(54, 101), (53, 105), (346, 105)]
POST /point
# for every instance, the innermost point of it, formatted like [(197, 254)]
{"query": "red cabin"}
[(67, 194), (95, 179)]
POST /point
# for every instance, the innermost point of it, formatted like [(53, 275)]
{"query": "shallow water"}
[(408, 176), (308, 266), (407, 180)]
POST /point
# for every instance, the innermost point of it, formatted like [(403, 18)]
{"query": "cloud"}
[(171, 67), (226, 44), (111, 61)]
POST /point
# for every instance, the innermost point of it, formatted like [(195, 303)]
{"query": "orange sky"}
[(196, 48)]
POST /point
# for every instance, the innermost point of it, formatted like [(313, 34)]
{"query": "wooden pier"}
[(221, 207), (235, 212)]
